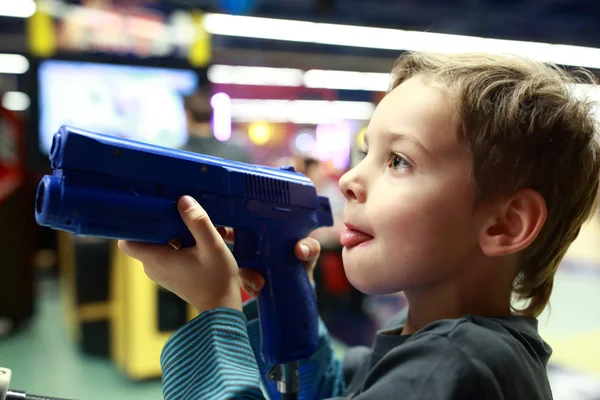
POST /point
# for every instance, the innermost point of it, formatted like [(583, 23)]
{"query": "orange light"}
[(259, 133)]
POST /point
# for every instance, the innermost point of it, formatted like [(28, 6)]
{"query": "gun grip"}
[(287, 304), (288, 314)]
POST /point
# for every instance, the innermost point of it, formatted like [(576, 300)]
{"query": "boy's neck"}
[(484, 293)]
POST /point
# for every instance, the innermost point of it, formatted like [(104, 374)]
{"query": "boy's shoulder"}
[(497, 355), (498, 340), (466, 357)]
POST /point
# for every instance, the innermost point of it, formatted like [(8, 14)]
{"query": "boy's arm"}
[(210, 358), (215, 356), (321, 375)]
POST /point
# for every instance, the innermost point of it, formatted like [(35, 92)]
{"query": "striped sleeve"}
[(211, 358)]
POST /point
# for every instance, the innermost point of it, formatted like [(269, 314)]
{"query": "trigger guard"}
[(246, 247)]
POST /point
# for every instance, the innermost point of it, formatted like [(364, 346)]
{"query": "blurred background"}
[(276, 83)]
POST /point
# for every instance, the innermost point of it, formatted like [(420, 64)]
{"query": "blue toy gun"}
[(114, 188)]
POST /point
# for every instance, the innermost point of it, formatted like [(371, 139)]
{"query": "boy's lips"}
[(352, 237)]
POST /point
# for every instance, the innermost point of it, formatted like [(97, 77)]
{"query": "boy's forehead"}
[(419, 110)]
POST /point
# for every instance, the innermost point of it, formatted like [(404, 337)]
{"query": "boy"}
[(479, 171)]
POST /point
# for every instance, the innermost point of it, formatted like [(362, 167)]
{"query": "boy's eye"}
[(398, 162), (362, 154)]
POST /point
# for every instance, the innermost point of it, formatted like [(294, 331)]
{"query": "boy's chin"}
[(376, 280), (365, 283)]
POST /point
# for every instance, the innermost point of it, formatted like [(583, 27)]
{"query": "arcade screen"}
[(134, 102)]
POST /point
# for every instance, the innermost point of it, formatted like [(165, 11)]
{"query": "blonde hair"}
[(523, 128)]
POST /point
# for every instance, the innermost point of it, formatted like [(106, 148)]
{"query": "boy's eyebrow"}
[(404, 137)]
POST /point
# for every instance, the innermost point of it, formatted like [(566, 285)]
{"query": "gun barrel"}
[(103, 210), (47, 201)]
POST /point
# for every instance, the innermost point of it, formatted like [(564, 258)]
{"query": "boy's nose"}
[(352, 187)]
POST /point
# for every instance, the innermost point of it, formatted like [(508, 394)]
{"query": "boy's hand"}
[(206, 275), (307, 250)]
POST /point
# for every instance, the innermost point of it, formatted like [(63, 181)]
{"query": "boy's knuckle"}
[(199, 216), (149, 270)]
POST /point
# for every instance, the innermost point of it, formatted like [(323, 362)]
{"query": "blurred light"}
[(13, 64), (326, 79), (393, 39), (357, 36), (15, 101), (181, 27), (305, 143), (300, 111), (349, 80), (259, 133), (146, 28), (260, 76), (221, 104), (333, 143), (17, 8)]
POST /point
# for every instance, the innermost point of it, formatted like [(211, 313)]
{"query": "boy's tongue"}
[(351, 238)]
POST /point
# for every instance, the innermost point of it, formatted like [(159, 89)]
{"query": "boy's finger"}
[(230, 235), (144, 252), (226, 233), (251, 279), (307, 249), (198, 221), (248, 289)]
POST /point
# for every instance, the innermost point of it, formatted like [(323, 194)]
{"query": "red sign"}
[(12, 174)]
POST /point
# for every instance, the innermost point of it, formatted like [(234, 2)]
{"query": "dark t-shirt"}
[(465, 358), (212, 147)]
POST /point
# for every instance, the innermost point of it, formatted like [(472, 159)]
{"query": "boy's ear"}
[(514, 224)]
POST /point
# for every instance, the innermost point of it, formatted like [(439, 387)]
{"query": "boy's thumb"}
[(198, 221)]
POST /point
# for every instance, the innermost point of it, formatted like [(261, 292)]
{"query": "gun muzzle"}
[(47, 201)]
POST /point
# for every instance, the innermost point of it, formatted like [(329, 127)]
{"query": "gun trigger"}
[(246, 247)]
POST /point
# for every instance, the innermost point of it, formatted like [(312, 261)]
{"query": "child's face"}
[(411, 194)]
